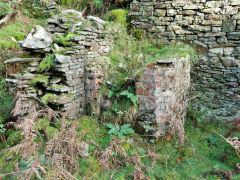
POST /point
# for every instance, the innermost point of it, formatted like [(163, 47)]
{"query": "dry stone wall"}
[(213, 27), (70, 43)]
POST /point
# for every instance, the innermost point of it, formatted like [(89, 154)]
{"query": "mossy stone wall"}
[(213, 28)]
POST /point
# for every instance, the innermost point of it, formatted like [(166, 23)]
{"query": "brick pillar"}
[(162, 90), (93, 80)]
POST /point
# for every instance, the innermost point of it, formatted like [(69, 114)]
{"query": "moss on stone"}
[(65, 40), (70, 95), (118, 15), (47, 63), (56, 87), (47, 97), (40, 79), (92, 162), (89, 128)]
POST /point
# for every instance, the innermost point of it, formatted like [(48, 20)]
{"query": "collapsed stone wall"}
[(72, 42), (213, 27), (163, 93)]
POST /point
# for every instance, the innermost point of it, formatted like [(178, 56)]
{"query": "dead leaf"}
[(168, 138), (180, 158)]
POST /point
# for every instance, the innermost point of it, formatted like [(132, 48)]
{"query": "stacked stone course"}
[(213, 27), (65, 87)]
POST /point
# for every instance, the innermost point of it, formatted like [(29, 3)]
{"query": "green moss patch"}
[(118, 16), (65, 41), (41, 79), (47, 97), (47, 63), (17, 30)]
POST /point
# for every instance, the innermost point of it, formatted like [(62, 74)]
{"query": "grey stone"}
[(228, 61), (229, 25), (21, 60), (55, 80), (72, 11), (58, 88), (234, 36), (25, 76), (62, 59), (57, 47), (218, 51), (38, 38), (96, 19)]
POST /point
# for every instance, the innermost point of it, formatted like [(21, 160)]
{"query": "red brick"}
[(163, 119), (150, 86), (151, 99), (150, 65), (95, 94), (96, 81), (142, 92), (139, 99)]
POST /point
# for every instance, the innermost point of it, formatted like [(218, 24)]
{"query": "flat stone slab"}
[(96, 19), (77, 13), (21, 60), (58, 88), (168, 61), (26, 76), (62, 59)]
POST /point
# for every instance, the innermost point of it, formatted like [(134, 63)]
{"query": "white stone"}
[(38, 38)]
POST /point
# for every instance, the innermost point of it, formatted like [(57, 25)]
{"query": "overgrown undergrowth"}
[(205, 155)]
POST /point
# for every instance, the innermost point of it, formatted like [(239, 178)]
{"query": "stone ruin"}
[(58, 75), (163, 94), (63, 86), (213, 27)]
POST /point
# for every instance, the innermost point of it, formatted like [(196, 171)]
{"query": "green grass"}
[(18, 30), (154, 52), (203, 153)]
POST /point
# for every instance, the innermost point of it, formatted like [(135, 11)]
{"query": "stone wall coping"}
[(167, 61)]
